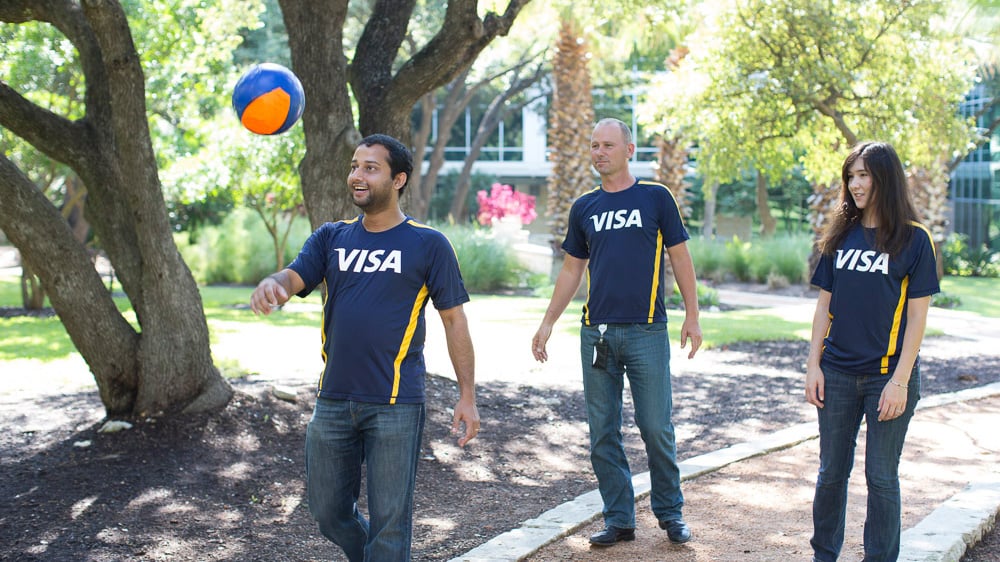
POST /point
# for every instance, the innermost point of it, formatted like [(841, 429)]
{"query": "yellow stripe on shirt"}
[(656, 276), (404, 347), (896, 320)]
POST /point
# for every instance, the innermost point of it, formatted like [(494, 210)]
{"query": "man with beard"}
[(380, 269)]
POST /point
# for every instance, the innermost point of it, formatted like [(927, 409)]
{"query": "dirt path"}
[(759, 510)]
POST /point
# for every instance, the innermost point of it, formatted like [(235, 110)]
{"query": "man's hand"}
[(268, 295), (275, 290), (538, 343), (691, 329), (465, 413)]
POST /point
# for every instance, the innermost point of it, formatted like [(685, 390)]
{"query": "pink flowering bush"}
[(503, 201)]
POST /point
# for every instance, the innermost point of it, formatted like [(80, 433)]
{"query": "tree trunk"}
[(32, 292), (385, 96), (418, 194), (822, 204), (168, 366), (495, 113), (767, 222), (929, 190), (457, 99), (708, 226), (315, 38), (571, 120)]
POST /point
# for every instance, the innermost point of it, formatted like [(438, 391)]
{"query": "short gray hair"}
[(626, 131)]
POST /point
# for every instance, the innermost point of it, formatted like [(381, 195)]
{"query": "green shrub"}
[(737, 259), (708, 256), (707, 297), (440, 205), (238, 250), (782, 256), (767, 260), (962, 259), (487, 265), (944, 300)]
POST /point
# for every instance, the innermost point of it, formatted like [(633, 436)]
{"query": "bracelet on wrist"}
[(903, 386)]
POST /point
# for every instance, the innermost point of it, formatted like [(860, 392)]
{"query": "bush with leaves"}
[(776, 260), (964, 260), (488, 265)]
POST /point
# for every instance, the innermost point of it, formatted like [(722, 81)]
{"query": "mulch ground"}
[(231, 486)]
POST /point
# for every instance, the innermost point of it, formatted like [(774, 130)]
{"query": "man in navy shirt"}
[(380, 269), (618, 234)]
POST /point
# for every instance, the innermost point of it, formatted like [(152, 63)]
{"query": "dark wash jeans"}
[(340, 436), (640, 352), (848, 399)]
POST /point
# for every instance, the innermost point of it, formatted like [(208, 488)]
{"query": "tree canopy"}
[(769, 84)]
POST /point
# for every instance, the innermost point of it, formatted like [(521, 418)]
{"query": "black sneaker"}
[(677, 530), (610, 535)]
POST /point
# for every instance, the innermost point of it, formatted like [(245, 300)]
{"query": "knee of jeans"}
[(833, 478), (332, 524), (879, 481)]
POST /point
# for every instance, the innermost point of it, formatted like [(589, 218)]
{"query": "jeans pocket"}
[(653, 327)]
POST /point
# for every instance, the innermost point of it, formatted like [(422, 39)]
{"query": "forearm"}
[(820, 328), (284, 279), (567, 283), (687, 282), (916, 324), (274, 290), (461, 351)]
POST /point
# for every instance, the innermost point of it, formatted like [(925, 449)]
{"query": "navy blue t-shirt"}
[(378, 284), (868, 303), (623, 234)]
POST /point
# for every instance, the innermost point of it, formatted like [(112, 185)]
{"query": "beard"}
[(377, 198)]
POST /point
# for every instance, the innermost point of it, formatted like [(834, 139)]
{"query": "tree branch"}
[(384, 33), (56, 137), (52, 134), (459, 41)]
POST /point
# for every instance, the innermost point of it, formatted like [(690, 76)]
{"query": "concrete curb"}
[(959, 523), (937, 546)]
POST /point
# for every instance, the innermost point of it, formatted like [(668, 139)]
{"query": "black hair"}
[(400, 157)]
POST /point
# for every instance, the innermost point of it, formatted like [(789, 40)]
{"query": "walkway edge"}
[(566, 518), (959, 523)]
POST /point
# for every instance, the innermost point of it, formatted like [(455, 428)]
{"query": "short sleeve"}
[(575, 243), (311, 262), (923, 265), (444, 278), (673, 225), (823, 276)]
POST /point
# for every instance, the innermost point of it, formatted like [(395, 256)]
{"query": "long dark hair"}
[(889, 197)]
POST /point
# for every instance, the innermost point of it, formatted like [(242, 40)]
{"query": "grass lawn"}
[(226, 308), (980, 295)]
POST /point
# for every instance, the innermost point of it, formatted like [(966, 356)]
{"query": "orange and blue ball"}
[(268, 99)]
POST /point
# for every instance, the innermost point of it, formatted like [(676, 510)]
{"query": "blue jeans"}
[(340, 436), (848, 398), (642, 353)]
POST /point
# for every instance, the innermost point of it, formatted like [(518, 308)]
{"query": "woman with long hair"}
[(876, 276)]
